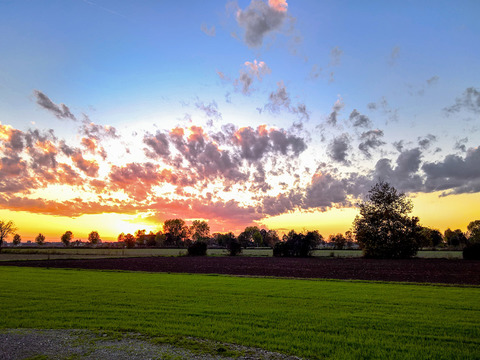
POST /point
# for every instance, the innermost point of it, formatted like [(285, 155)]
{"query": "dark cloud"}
[(404, 176), (158, 145), (98, 132), (359, 120), (60, 111), (469, 101), (208, 31), (325, 191), (370, 140), (338, 148), (259, 19), (426, 142), (455, 173)]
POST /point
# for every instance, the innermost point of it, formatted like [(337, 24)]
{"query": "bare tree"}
[(6, 228)]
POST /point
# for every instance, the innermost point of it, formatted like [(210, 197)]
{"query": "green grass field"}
[(308, 318)]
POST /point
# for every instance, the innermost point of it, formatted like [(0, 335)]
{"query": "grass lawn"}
[(308, 318)]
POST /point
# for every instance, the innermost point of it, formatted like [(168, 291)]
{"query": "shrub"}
[(472, 252), (234, 247), (297, 245), (198, 248)]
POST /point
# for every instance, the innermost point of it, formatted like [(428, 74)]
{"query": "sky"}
[(118, 115)]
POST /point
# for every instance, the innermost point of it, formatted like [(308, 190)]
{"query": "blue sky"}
[(358, 84)]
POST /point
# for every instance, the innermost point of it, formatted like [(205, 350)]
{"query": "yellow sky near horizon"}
[(454, 211)]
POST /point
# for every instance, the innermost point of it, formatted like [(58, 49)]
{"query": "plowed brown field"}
[(415, 270)]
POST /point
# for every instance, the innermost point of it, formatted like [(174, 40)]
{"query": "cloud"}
[(337, 150), (98, 132), (427, 141), (404, 176), (60, 111), (359, 120), (210, 110), (260, 18), (469, 101), (158, 145), (455, 173), (280, 100), (337, 107), (370, 140), (208, 31), (251, 70), (460, 144)]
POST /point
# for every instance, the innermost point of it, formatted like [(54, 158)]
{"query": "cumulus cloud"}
[(260, 19), (427, 141), (61, 111), (370, 140), (338, 147), (455, 173), (405, 175), (469, 101)]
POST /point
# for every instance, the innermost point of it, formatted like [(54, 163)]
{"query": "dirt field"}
[(416, 270)]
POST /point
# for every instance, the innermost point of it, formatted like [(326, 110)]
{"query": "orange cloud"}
[(278, 5)]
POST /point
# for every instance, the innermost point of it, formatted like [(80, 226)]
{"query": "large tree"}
[(200, 231), (6, 228), (94, 238), (474, 232), (40, 239), (175, 232), (384, 228), (67, 238)]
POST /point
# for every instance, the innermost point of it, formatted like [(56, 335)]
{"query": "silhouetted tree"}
[(66, 238), (17, 239), (40, 239), (383, 229), (6, 228), (150, 239), (430, 237), (94, 238), (121, 237), (298, 245), (474, 232), (160, 239), (455, 238), (140, 237), (250, 236), (349, 238), (338, 241), (129, 241), (175, 232), (270, 237), (200, 231)]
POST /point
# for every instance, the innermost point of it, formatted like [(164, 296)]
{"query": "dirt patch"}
[(445, 271), (65, 344)]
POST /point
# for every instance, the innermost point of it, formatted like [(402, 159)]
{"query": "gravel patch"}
[(37, 344)]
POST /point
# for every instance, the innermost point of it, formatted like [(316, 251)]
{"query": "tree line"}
[(383, 229)]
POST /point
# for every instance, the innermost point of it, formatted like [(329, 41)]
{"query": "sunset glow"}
[(117, 115)]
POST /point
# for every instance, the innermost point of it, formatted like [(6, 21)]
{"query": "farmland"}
[(307, 318)]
